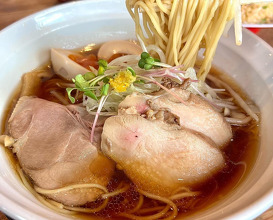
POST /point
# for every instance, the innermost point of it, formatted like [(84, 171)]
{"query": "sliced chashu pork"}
[(87, 120), (195, 114), (159, 157), (136, 103), (54, 150)]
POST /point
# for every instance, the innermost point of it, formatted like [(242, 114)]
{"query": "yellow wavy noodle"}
[(181, 28), (166, 212)]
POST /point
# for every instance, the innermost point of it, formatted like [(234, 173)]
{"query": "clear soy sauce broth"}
[(240, 156)]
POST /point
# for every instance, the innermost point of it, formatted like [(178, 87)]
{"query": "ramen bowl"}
[(25, 45)]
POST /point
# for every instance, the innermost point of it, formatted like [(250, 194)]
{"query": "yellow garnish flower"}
[(122, 81)]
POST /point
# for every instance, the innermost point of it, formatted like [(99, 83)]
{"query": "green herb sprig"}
[(147, 62), (87, 83), (102, 67)]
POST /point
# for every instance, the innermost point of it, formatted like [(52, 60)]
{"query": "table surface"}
[(13, 10)]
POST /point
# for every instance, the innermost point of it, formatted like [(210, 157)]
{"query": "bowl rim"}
[(17, 212)]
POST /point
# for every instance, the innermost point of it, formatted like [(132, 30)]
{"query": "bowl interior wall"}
[(77, 24)]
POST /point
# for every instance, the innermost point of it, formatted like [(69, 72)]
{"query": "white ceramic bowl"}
[(25, 45)]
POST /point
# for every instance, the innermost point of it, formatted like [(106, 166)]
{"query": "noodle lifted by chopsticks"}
[(181, 28)]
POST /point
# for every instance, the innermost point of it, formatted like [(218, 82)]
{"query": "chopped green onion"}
[(265, 6)]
